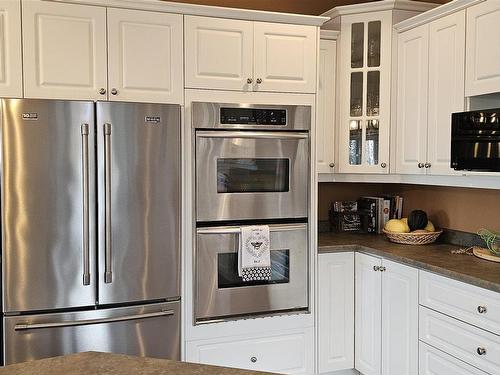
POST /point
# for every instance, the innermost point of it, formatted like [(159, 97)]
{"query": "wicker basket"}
[(413, 238)]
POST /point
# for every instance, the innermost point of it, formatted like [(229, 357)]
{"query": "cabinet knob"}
[(427, 165), (253, 359), (420, 165), (383, 165), (481, 351), (481, 309), (382, 269), (114, 91), (331, 165), (259, 80), (249, 80), (102, 91), (376, 268)]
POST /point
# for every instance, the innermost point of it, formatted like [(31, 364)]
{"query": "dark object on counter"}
[(345, 221), (417, 219), (344, 206)]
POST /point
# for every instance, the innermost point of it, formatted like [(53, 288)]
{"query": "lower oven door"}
[(251, 175), (221, 293)]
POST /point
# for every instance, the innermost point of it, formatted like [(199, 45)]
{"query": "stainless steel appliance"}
[(90, 228), (252, 162), (221, 293), (475, 140)]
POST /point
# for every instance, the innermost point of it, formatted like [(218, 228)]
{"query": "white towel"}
[(254, 256)]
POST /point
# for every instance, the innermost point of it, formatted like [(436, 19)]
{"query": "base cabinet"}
[(290, 352), (336, 312), (433, 361)]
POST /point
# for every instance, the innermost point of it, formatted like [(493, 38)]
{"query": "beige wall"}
[(314, 7), (455, 208)]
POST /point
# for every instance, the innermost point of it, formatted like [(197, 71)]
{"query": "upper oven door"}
[(242, 175)]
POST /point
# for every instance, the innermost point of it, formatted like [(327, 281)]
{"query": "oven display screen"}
[(253, 116), (237, 175), (227, 270)]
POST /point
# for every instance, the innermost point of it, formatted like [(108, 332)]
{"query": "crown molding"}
[(329, 34), (205, 10), (376, 6), (433, 14)]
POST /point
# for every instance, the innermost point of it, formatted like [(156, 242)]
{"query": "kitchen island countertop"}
[(436, 258), (97, 363)]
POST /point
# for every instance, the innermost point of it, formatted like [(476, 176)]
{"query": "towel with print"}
[(254, 255)]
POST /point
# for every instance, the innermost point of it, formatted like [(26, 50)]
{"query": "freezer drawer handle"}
[(85, 171), (72, 323), (107, 205), (253, 135)]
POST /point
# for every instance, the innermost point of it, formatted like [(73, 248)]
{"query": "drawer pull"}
[(376, 268), (481, 309), (254, 359), (481, 351)]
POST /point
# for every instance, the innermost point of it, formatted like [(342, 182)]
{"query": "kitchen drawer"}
[(460, 340), (289, 353), (435, 362), (463, 301)]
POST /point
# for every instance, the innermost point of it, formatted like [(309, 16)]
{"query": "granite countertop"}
[(435, 257), (95, 363)]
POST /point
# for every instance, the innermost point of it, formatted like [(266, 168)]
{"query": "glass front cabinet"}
[(365, 92)]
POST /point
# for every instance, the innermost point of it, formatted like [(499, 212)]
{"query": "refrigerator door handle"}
[(85, 175), (73, 323), (107, 197)]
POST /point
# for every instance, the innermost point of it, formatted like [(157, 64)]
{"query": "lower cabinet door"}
[(287, 353), (435, 362), (336, 312)]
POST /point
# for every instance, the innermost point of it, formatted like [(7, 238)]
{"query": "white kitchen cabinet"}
[(435, 362), (386, 317), (11, 75), (288, 352), (430, 88), (336, 312), (325, 126), (64, 51), (284, 57), (249, 56), (483, 49), (145, 56)]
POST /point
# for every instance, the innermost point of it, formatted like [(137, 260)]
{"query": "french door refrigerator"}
[(90, 200)]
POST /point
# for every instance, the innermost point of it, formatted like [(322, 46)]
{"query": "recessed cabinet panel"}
[(284, 57), (411, 144), (64, 50), (10, 49), (145, 56), (218, 53), (483, 49)]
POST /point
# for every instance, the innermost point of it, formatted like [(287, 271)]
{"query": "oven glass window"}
[(252, 175), (227, 269)]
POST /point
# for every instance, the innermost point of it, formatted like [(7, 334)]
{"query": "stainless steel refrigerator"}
[(90, 201)]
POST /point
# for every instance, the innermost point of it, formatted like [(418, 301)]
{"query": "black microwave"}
[(475, 140)]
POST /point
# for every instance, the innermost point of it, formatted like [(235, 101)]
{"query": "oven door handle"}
[(236, 230), (252, 134)]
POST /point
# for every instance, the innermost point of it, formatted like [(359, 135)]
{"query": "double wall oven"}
[(251, 167)]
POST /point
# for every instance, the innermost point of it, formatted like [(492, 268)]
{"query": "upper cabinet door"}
[(446, 87), (284, 57), (325, 126), (145, 53), (218, 53), (11, 80), (64, 51), (483, 49), (411, 120)]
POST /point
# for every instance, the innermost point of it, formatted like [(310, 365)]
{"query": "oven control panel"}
[(253, 116)]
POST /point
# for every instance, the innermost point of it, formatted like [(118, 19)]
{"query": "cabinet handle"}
[(382, 269), (253, 359), (114, 91), (376, 268), (331, 165), (427, 165), (481, 351), (481, 309), (421, 165), (259, 80), (383, 165), (249, 80), (102, 91)]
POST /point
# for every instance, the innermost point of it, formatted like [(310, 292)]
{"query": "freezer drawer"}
[(148, 330)]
